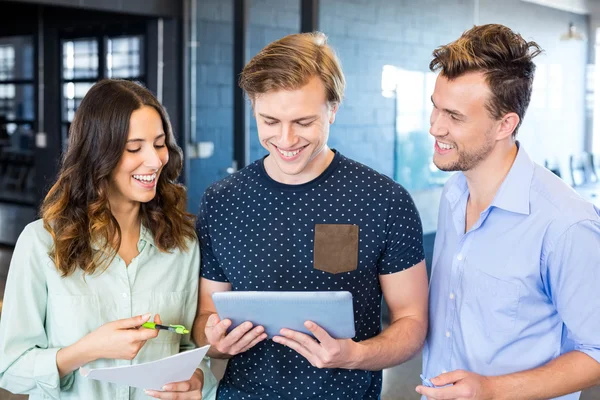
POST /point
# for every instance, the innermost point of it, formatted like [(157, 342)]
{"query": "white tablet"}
[(333, 311)]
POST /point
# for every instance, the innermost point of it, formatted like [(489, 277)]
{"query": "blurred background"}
[(190, 52)]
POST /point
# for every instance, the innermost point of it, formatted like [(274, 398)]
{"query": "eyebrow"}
[(143, 140), (296, 120), (449, 111)]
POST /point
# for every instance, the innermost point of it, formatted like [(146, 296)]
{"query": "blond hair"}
[(289, 63)]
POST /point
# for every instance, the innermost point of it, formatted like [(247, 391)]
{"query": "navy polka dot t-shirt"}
[(259, 234)]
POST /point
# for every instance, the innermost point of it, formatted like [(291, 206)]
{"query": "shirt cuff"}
[(46, 374)]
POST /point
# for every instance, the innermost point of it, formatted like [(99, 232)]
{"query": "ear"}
[(507, 126), (333, 108)]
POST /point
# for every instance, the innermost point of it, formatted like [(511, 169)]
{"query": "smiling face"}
[(465, 132), (135, 177), (293, 125)]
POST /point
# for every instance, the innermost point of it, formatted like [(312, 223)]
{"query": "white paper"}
[(151, 375)]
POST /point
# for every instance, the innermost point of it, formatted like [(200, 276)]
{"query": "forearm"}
[(571, 372), (401, 341), (70, 358), (200, 337)]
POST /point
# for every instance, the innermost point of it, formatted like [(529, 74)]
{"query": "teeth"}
[(444, 146), (145, 178), (289, 153)]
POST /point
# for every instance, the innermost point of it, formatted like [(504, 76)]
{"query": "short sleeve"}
[(209, 264), (404, 234)]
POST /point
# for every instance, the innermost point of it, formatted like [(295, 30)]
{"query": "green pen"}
[(172, 328)]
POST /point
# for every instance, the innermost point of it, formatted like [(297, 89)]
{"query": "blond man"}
[(307, 218)]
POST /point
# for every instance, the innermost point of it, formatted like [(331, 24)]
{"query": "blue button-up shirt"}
[(521, 286)]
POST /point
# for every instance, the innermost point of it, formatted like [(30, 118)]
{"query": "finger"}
[(247, 339), (448, 378), (236, 334), (421, 390), (132, 322), (218, 331), (198, 379), (320, 333), (305, 340), (156, 320), (193, 395), (256, 341), (445, 393), (167, 395), (296, 346), (212, 321), (185, 386), (142, 334)]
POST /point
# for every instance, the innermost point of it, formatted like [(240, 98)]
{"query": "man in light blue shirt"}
[(514, 302)]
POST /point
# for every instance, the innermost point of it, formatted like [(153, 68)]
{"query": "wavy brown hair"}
[(76, 210), (503, 56)]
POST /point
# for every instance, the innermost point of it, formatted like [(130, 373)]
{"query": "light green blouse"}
[(44, 312)]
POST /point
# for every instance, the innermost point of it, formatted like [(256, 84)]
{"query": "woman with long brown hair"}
[(114, 245)]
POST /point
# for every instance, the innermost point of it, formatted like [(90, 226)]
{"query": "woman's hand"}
[(188, 390), (121, 339)]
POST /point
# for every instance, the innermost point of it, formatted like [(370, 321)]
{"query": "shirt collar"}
[(457, 190), (145, 235), (513, 194)]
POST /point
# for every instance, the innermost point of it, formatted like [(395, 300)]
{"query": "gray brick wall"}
[(268, 20), (214, 88), (368, 34)]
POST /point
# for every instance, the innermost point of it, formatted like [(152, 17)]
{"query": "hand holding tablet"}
[(332, 311)]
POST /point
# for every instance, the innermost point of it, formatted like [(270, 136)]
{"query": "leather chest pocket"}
[(336, 248)]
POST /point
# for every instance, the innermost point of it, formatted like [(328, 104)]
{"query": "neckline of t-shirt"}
[(303, 186)]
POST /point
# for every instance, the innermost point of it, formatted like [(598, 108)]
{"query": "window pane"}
[(72, 95), (124, 57), (16, 58), (414, 145), (80, 59), (7, 62), (16, 101), (16, 136)]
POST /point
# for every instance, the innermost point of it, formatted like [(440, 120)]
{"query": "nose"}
[(152, 159), (287, 138), (437, 127)]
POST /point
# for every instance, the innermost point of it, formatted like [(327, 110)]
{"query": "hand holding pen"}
[(180, 329), (121, 340)]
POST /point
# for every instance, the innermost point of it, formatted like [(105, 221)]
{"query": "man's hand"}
[(240, 339), (188, 390), (464, 386), (327, 352)]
